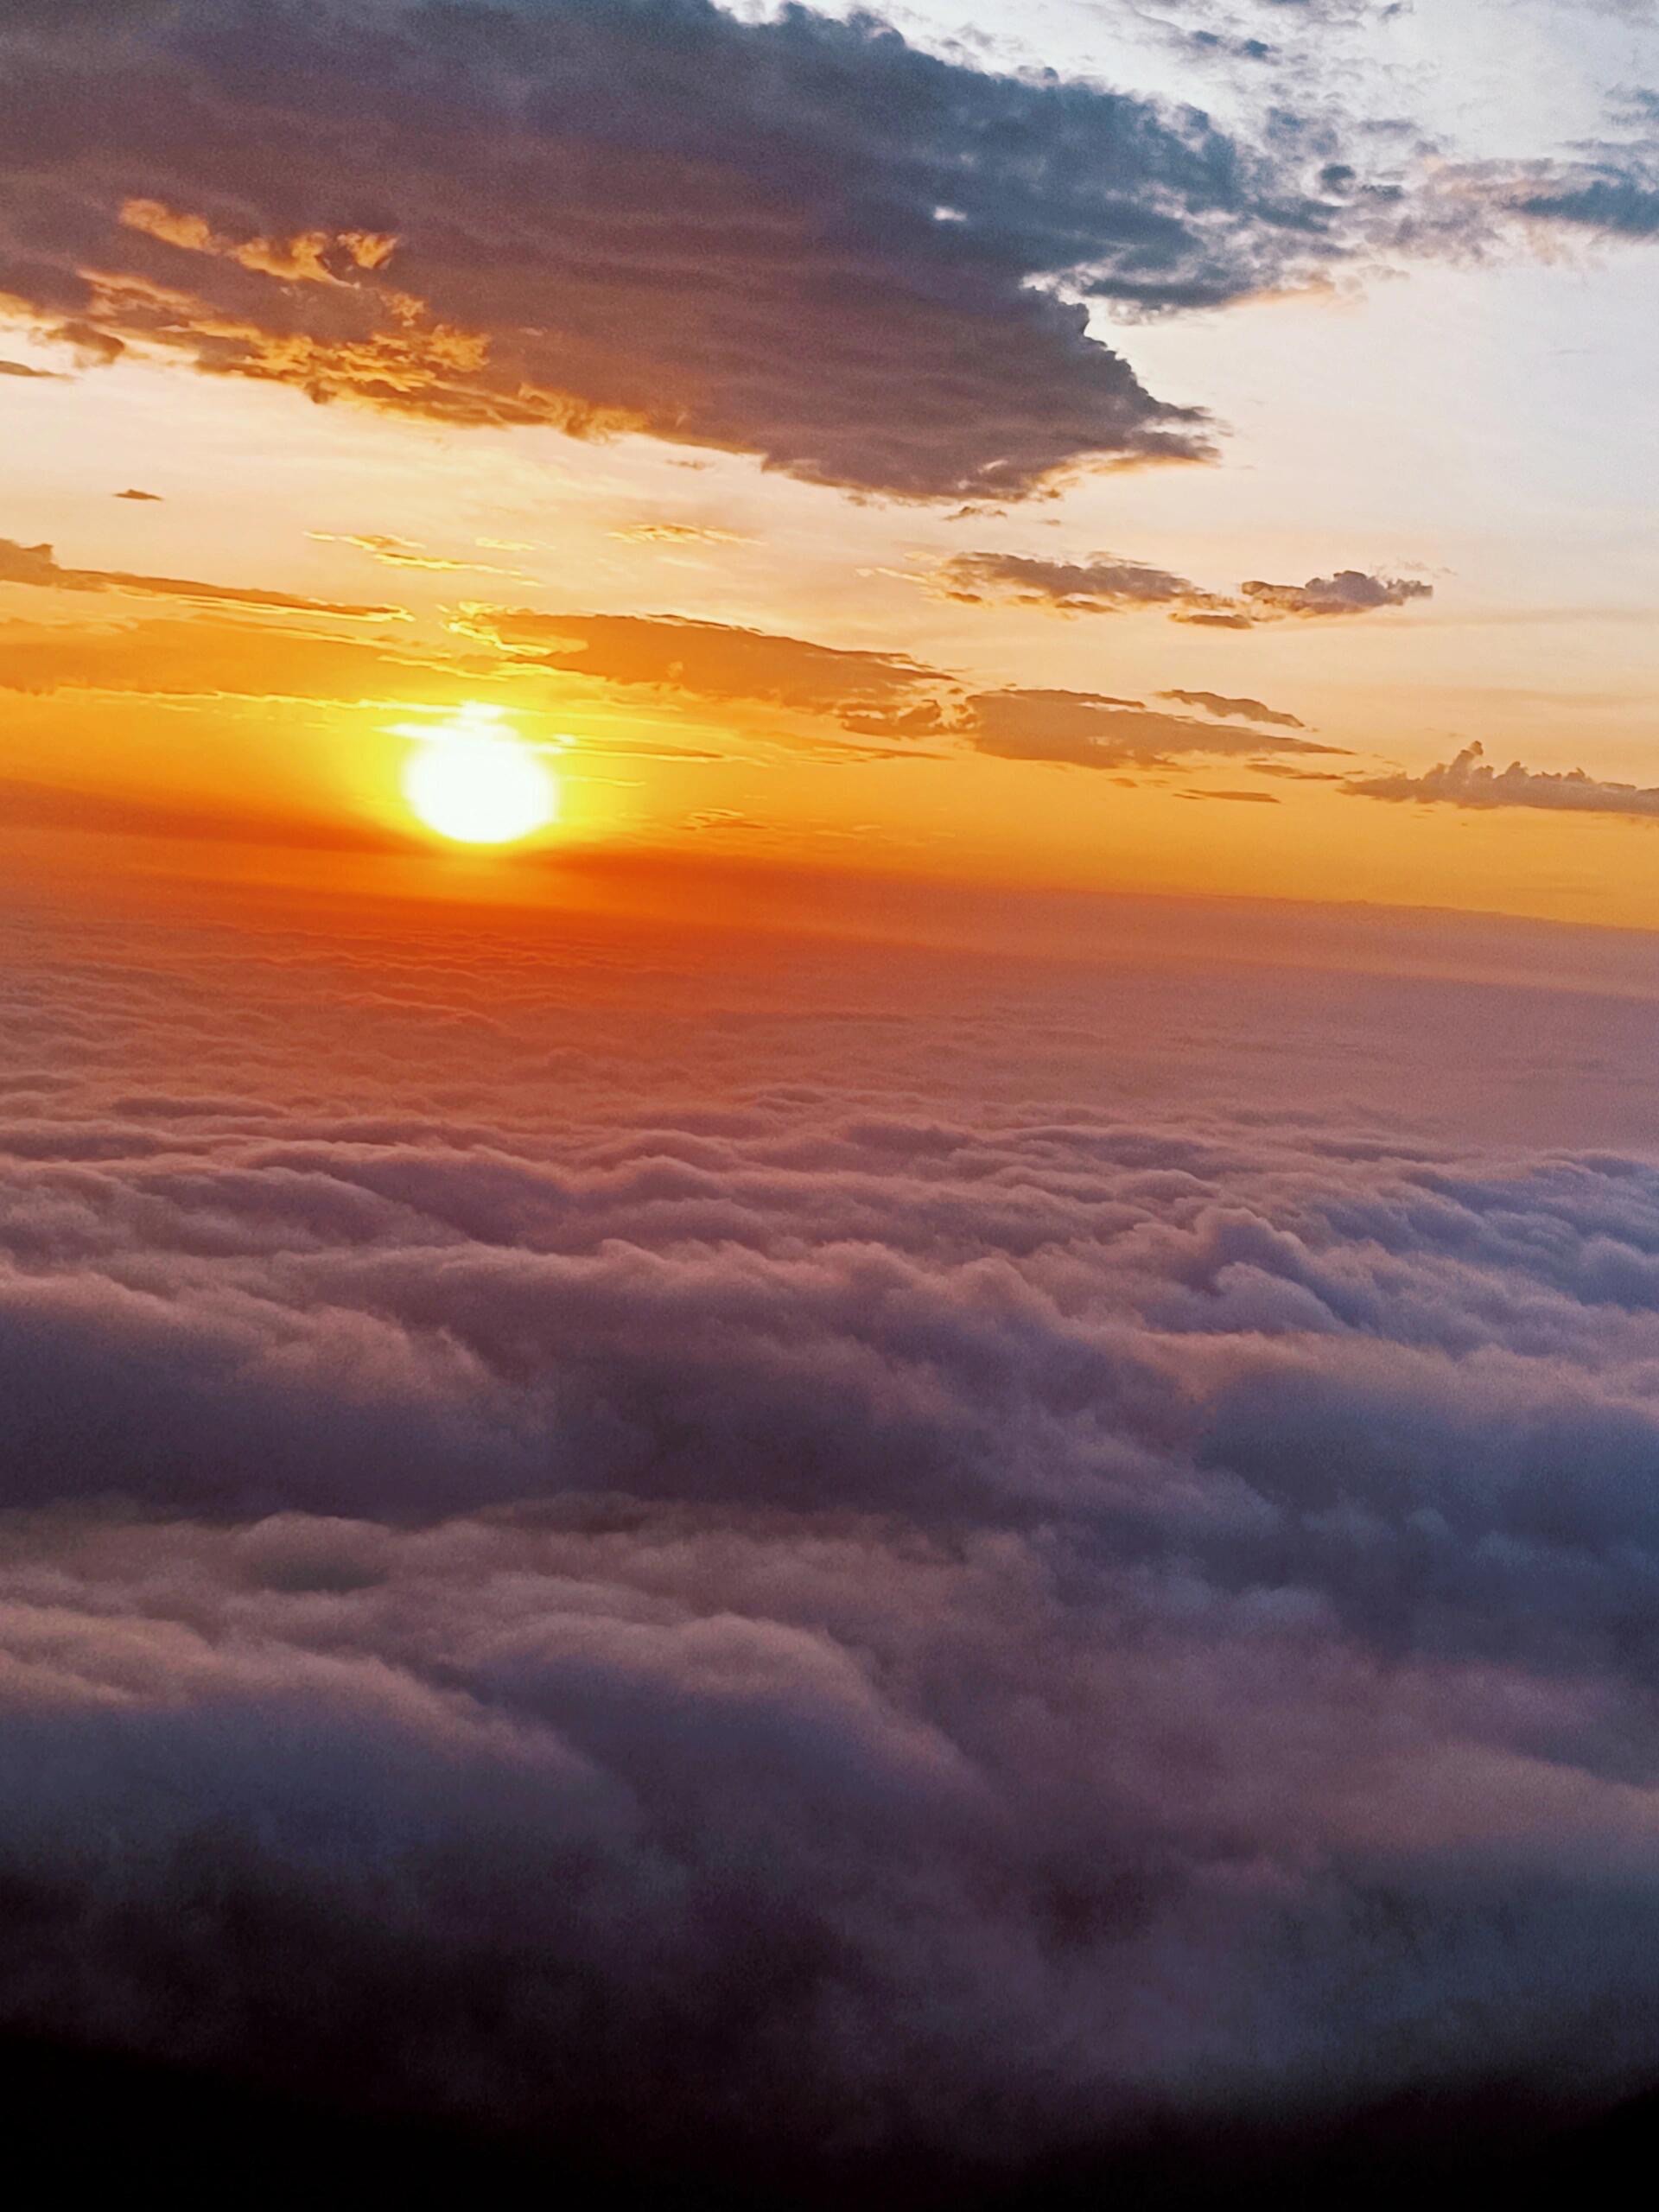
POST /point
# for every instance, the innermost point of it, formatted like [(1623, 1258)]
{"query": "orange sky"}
[(1398, 534)]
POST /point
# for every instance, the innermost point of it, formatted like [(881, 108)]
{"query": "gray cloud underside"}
[(801, 238), (1107, 585), (1215, 703), (784, 1607), (1470, 781)]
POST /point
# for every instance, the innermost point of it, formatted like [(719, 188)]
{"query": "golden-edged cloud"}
[(39, 566)]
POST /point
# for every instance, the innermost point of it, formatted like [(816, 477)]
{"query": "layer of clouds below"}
[(1471, 780), (762, 1569), (797, 238)]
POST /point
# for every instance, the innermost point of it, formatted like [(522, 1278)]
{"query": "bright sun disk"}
[(475, 782)]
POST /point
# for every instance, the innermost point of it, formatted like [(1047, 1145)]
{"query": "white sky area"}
[(1493, 77)]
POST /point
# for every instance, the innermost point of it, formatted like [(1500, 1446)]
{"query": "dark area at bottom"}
[(90, 2118)]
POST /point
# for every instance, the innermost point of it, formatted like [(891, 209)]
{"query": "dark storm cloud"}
[(800, 238), (38, 565), (1471, 780)]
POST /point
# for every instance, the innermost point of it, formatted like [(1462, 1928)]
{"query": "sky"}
[(828, 1218), (1284, 354)]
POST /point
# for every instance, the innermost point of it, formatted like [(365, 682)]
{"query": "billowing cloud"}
[(1471, 780), (791, 1619), (796, 237), (39, 565)]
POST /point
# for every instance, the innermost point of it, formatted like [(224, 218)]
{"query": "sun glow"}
[(471, 780)]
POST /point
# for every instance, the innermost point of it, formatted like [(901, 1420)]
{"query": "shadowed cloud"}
[(873, 695), (1350, 591), (1100, 585), (1471, 780), (795, 1618), (796, 236), (1106, 585)]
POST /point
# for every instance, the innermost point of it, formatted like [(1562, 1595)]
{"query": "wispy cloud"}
[(39, 566), (1105, 583)]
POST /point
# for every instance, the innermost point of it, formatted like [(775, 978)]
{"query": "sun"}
[(471, 780)]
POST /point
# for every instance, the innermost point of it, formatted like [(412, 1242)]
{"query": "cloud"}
[(34, 376), (873, 695), (1106, 585), (38, 565), (211, 655), (1084, 729), (1213, 703), (706, 660), (726, 1594), (404, 553), (857, 692), (796, 236), (679, 533), (1470, 781), (102, 813), (1100, 585), (1608, 187), (1247, 798), (152, 497), (1350, 591)]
